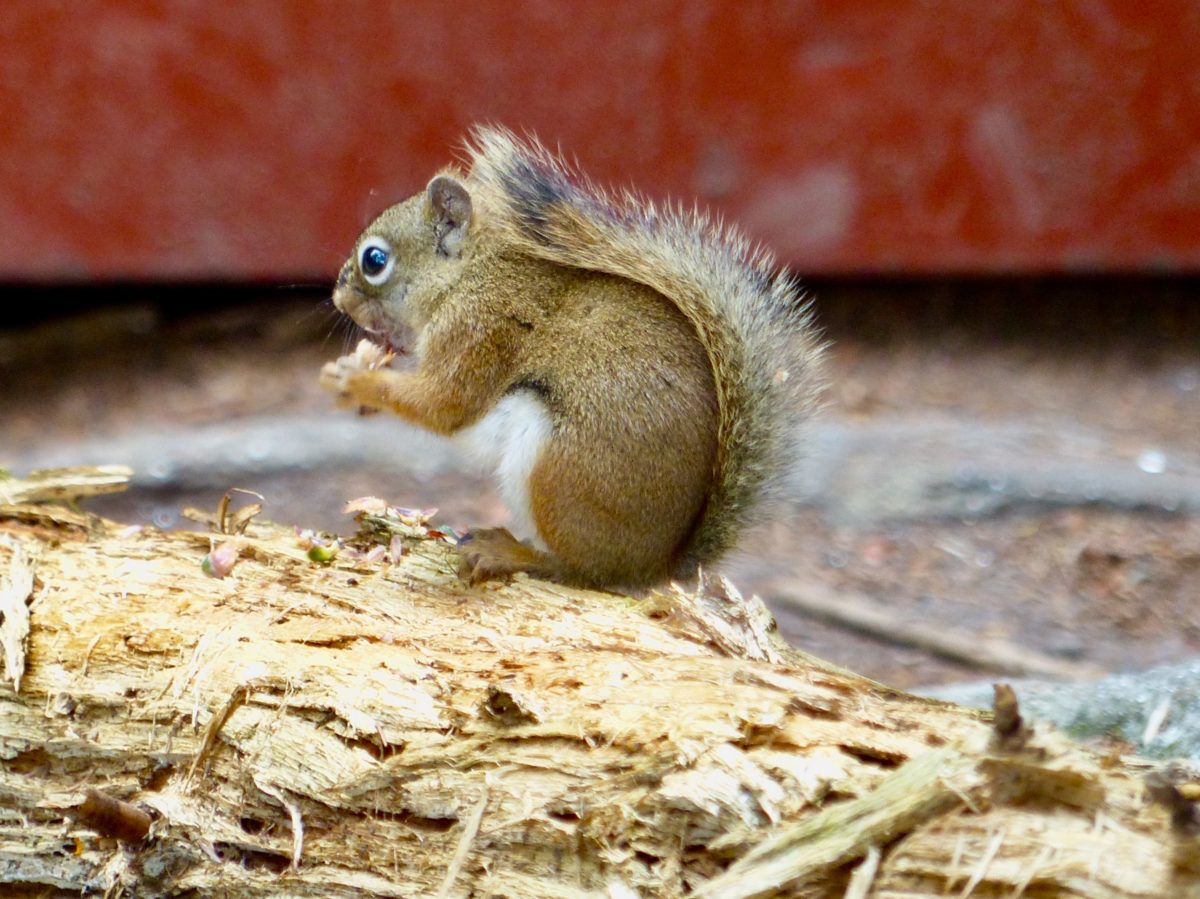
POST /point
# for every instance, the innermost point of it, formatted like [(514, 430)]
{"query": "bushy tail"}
[(751, 319)]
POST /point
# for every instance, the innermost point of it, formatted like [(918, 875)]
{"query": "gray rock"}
[(1157, 711)]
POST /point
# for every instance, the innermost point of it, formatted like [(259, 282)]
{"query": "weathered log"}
[(372, 727)]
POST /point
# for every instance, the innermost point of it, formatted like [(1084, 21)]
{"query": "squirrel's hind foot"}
[(493, 553)]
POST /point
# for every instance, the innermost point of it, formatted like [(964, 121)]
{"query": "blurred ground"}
[(1015, 459)]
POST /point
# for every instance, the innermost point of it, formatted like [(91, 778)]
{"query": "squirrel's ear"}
[(451, 207)]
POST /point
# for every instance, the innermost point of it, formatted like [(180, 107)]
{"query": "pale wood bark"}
[(375, 729)]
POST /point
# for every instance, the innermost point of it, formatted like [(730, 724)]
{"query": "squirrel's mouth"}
[(371, 320), (395, 343), (395, 347)]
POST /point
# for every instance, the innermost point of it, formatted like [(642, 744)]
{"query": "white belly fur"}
[(507, 441)]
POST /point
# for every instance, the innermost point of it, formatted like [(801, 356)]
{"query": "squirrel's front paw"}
[(339, 377)]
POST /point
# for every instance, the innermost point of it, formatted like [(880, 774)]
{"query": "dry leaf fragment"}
[(372, 505), (237, 522)]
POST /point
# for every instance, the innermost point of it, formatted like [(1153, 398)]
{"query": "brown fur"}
[(675, 366)]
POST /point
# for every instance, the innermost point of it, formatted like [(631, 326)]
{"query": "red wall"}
[(252, 140)]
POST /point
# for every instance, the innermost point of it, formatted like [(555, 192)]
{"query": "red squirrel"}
[(638, 377)]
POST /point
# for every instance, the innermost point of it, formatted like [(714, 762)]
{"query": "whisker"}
[(323, 307), (304, 285)]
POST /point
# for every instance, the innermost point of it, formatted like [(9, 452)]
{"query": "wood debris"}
[(373, 727)]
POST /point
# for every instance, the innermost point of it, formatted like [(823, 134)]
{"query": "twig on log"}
[(15, 589), (923, 787), (864, 875), (111, 817), (470, 831), (237, 698), (64, 484), (293, 811)]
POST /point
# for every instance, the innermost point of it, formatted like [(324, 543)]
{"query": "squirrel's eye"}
[(375, 261)]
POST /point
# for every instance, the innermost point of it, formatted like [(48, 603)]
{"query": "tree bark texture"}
[(372, 727)]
